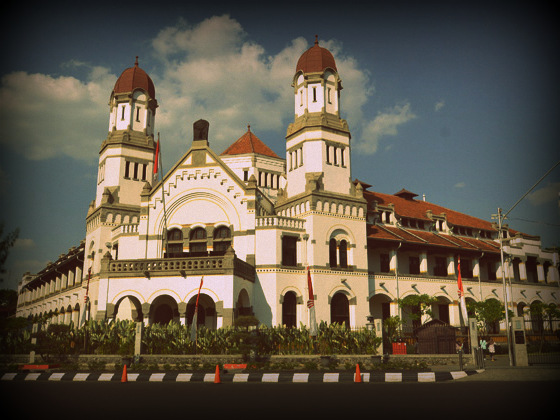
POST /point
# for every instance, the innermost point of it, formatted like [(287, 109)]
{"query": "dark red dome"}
[(316, 59), (135, 78)]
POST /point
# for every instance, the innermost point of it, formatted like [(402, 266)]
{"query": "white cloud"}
[(235, 82), (460, 185), (545, 195), (439, 105), (48, 116), (385, 123), (209, 70)]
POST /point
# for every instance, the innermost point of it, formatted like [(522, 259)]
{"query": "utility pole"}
[(501, 218), (501, 238)]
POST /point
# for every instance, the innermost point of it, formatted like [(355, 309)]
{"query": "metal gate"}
[(543, 340)]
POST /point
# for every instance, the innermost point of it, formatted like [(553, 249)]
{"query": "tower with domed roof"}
[(318, 141), (126, 158)]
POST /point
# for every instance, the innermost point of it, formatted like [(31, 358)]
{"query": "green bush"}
[(56, 341)]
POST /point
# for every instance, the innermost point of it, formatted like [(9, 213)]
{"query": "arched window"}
[(340, 309), (174, 243), (332, 253), (197, 242), (342, 251), (222, 239), (289, 317)]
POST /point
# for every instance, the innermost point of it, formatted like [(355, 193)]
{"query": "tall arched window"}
[(222, 239), (289, 314), (197, 243), (342, 251), (340, 309), (174, 243), (332, 253)]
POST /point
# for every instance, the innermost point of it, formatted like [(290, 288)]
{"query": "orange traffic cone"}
[(217, 375), (124, 377), (358, 376)]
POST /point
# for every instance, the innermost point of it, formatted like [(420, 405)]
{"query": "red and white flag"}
[(311, 306), (461, 292), (195, 316), (156, 160)]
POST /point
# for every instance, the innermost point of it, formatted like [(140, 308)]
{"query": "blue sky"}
[(452, 101)]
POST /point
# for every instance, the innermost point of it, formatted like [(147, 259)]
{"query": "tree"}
[(8, 302), (420, 305), (5, 244), (488, 313)]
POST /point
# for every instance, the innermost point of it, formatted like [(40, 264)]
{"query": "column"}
[(540, 273), (476, 268), (423, 262), (393, 261), (522, 270), (450, 265)]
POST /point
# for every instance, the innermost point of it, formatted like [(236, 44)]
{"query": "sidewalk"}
[(500, 370)]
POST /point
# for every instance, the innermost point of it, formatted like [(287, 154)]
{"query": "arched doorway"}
[(243, 304), (340, 309), (441, 309), (380, 306), (289, 312), (128, 308), (206, 311), (164, 310)]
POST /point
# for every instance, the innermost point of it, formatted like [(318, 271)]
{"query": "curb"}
[(201, 377)]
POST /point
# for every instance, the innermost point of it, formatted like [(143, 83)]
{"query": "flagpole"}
[(311, 306), (160, 171), (194, 332)]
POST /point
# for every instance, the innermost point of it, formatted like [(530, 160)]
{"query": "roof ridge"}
[(249, 143)]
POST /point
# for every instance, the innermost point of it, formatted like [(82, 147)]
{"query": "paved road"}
[(147, 400)]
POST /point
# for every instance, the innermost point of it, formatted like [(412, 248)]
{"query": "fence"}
[(543, 341), (433, 337)]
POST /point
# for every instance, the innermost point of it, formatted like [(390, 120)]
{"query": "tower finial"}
[(249, 127), (316, 39), (136, 62)]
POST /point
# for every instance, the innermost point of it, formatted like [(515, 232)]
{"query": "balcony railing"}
[(199, 265), (279, 222)]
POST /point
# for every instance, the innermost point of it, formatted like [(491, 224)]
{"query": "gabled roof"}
[(249, 143)]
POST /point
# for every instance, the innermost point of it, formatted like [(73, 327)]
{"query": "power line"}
[(534, 221)]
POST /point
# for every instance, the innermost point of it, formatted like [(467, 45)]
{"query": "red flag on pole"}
[(195, 316), (311, 306), (462, 302), (156, 160), (311, 301)]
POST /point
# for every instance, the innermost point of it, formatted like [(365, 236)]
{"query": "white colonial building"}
[(250, 223)]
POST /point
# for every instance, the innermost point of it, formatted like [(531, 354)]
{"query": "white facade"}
[(250, 223)]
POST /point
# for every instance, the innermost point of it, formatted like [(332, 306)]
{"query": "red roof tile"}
[(316, 59), (135, 78), (416, 209), (249, 143)]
